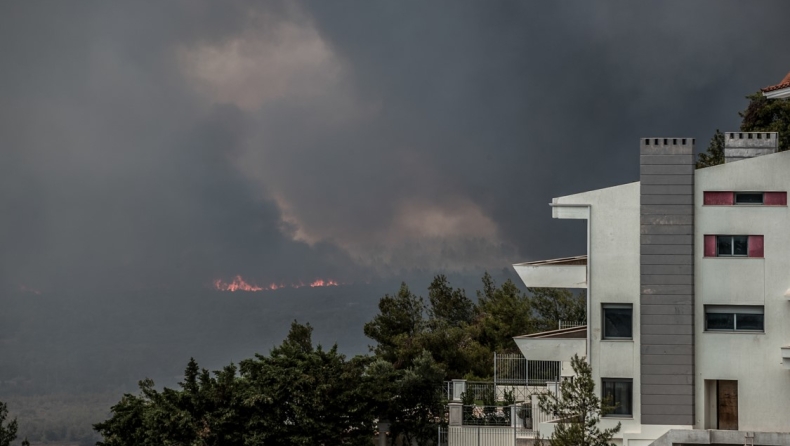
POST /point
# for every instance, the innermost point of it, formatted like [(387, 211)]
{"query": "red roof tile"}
[(784, 84)]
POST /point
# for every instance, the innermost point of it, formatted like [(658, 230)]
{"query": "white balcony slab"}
[(557, 345), (568, 272)]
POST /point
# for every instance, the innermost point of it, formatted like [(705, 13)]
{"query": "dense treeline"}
[(304, 394)]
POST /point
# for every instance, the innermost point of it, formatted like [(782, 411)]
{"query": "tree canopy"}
[(303, 394), (297, 395)]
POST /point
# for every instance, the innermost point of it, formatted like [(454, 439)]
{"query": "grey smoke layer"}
[(173, 143)]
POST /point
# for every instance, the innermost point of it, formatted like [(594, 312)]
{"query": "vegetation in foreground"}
[(578, 410), (303, 394)]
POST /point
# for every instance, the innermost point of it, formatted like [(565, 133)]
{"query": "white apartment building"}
[(687, 275)]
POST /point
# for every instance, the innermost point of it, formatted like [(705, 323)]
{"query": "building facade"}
[(687, 274)]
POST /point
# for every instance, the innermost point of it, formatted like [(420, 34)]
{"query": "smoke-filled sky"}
[(169, 143)]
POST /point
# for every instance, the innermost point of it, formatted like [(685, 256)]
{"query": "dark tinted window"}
[(617, 322), (744, 198), (734, 317), (732, 245), (719, 321), (740, 245), (750, 321), (724, 245), (619, 393)]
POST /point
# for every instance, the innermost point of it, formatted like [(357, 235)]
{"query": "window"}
[(618, 392), (617, 321), (748, 198), (734, 318), (734, 246), (729, 198)]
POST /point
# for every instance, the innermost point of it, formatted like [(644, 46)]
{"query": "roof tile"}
[(785, 83)]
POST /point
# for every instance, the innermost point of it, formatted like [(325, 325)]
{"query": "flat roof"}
[(577, 260)]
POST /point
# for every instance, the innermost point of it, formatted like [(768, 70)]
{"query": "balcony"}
[(567, 272), (555, 345)]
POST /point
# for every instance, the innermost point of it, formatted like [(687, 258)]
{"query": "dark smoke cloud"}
[(174, 143)]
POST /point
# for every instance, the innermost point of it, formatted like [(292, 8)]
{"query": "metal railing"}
[(515, 369), (485, 392), (482, 435), (487, 415), (569, 324)]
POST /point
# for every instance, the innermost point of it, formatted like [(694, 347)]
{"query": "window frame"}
[(734, 311), (732, 246), (736, 203), (630, 382), (616, 306)]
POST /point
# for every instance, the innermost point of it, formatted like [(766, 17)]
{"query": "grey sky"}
[(163, 144)]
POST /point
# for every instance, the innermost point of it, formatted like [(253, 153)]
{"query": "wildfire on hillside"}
[(239, 284)]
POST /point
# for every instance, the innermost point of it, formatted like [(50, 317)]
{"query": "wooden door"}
[(727, 404)]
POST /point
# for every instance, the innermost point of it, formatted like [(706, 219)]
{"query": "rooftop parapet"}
[(743, 145)]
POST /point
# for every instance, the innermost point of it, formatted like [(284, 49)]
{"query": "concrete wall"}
[(614, 278), (754, 360), (667, 290)]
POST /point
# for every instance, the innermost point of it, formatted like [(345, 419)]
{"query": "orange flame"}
[(239, 284)]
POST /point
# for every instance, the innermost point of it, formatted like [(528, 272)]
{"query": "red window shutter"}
[(775, 198), (710, 246), (719, 198), (756, 246)]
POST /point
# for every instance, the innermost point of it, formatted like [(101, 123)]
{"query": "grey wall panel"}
[(682, 179), (668, 309), (666, 189), (666, 339), (668, 259), (666, 349), (666, 169), (667, 199), (666, 359), (670, 399), (663, 159), (670, 380), (666, 319), (648, 239), (668, 409), (666, 419), (657, 389), (667, 289), (666, 229), (665, 209), (667, 299), (666, 329), (664, 219), (667, 269), (666, 249), (667, 280)]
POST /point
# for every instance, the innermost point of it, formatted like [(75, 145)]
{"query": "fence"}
[(515, 369), (519, 415), (484, 392), (482, 436), (567, 324)]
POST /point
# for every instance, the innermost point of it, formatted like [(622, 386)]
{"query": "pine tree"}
[(578, 410)]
